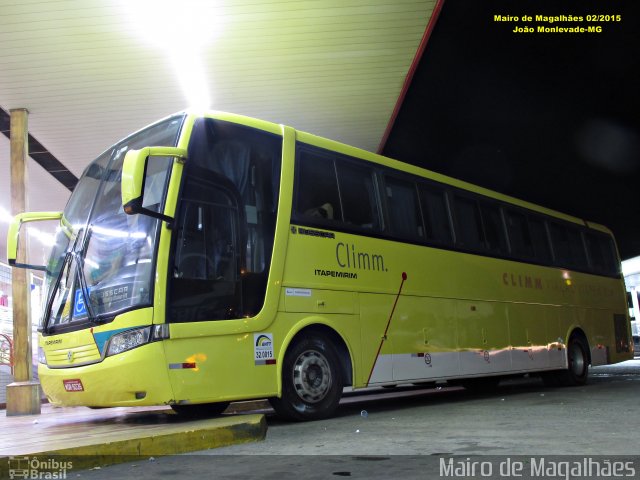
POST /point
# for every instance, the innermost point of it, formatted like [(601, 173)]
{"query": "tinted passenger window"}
[(519, 235), (578, 254), (404, 209), (468, 224), (318, 195), (560, 242), (436, 215), (494, 233), (568, 246), (540, 240), (357, 191), (602, 254)]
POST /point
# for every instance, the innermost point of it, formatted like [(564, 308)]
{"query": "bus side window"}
[(317, 189), (358, 194), (404, 209), (435, 214), (596, 255), (601, 253), (560, 243), (519, 234), (495, 238), (540, 240), (568, 246), (578, 254), (612, 263), (468, 224)]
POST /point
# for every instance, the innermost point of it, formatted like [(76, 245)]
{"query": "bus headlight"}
[(127, 340), (130, 339), (42, 358)]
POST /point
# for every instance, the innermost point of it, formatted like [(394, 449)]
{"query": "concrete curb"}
[(174, 439)]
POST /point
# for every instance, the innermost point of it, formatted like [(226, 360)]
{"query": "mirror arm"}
[(13, 263), (135, 206), (161, 216)]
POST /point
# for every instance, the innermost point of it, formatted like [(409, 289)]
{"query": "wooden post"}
[(23, 395)]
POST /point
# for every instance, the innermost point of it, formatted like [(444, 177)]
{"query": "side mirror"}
[(133, 177), (14, 232)]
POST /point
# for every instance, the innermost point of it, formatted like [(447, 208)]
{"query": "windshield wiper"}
[(71, 257), (79, 257), (83, 284), (54, 291)]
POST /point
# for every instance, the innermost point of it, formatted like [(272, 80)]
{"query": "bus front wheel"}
[(311, 380)]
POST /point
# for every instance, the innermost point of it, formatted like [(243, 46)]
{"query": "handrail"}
[(6, 356)]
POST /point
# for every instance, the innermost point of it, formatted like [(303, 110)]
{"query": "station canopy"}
[(92, 71)]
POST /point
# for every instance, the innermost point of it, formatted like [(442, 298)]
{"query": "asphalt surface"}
[(409, 432)]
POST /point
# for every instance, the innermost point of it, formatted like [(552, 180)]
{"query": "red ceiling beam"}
[(411, 72)]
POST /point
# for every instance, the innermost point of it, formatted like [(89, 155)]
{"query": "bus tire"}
[(200, 409), (578, 359), (311, 380), (577, 372)]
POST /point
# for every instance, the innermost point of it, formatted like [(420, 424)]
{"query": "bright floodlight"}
[(182, 29)]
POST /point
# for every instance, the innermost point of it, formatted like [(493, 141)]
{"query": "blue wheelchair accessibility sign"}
[(79, 307)]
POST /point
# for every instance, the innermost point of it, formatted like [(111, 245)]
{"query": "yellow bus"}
[(212, 257)]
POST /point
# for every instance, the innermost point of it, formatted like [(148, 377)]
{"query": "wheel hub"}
[(311, 376)]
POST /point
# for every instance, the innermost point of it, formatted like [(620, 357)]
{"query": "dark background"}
[(552, 118)]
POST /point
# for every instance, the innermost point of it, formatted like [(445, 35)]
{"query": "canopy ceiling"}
[(92, 71)]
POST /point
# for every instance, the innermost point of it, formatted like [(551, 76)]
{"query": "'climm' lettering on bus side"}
[(348, 256), (522, 281)]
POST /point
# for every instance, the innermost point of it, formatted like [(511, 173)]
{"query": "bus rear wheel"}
[(578, 357), (200, 410), (577, 371), (311, 380)]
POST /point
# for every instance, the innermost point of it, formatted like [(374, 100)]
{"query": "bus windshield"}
[(103, 259)]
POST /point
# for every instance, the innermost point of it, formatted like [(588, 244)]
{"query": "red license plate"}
[(74, 385)]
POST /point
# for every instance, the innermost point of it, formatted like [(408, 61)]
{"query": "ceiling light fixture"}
[(182, 30)]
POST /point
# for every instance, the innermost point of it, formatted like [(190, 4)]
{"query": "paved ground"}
[(408, 433)]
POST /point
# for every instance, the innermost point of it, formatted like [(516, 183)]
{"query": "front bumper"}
[(133, 378)]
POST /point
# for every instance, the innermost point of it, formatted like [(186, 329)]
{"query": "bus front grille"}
[(73, 357)]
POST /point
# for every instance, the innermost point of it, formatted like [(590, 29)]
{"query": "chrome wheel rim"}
[(311, 376)]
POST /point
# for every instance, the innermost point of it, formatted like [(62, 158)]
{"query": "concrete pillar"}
[(23, 395)]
